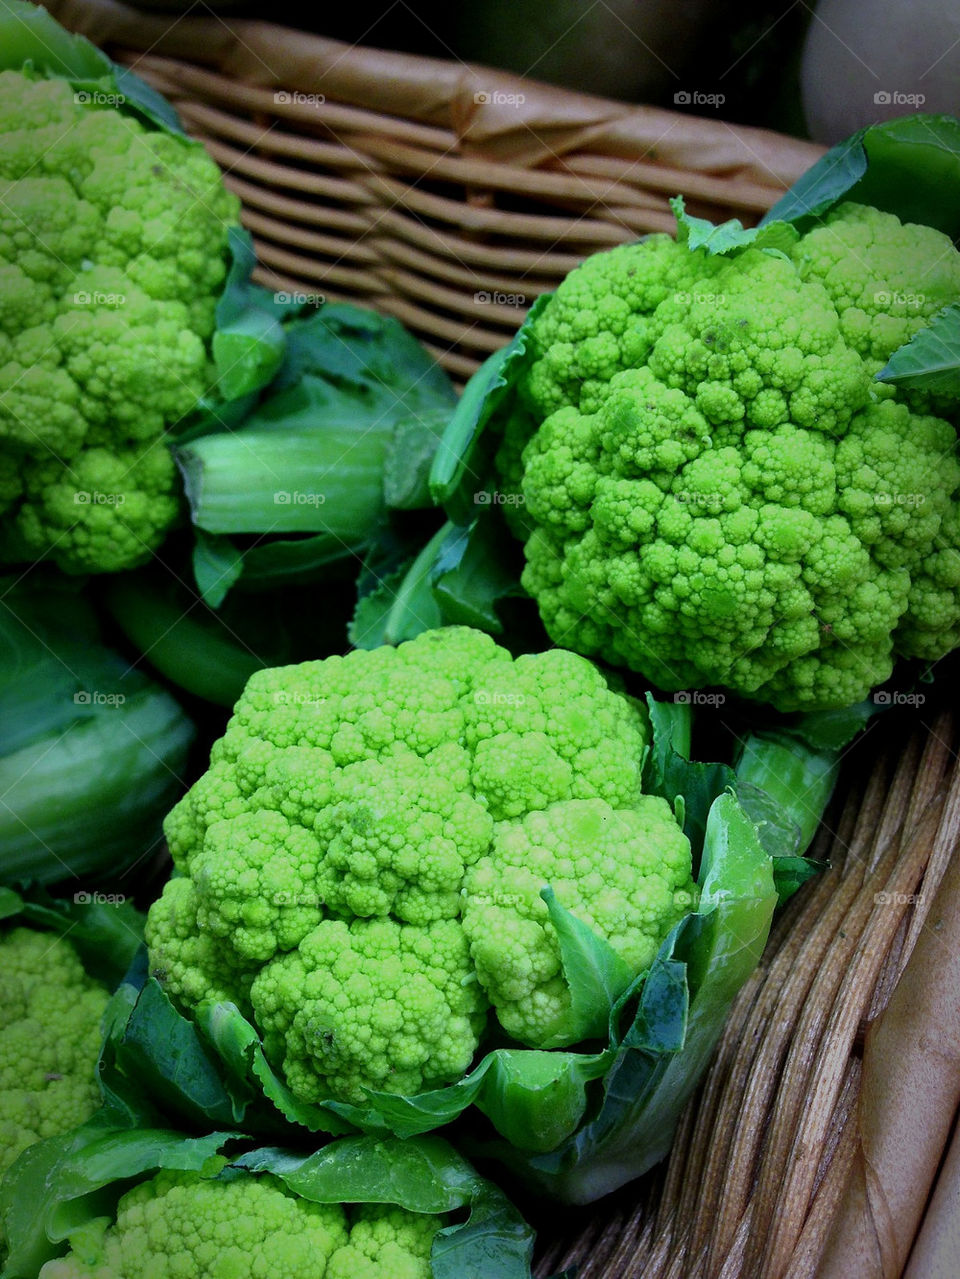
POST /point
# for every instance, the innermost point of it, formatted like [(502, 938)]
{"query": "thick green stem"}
[(796, 780), (183, 639), (311, 477)]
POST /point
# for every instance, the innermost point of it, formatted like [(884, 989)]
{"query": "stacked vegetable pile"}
[(433, 897)]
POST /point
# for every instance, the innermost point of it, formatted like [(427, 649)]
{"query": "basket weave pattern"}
[(445, 194), (763, 1152)]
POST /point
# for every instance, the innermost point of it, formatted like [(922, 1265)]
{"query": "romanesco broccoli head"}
[(50, 1012), (729, 498), (360, 867), (179, 1225), (113, 252), (886, 279)]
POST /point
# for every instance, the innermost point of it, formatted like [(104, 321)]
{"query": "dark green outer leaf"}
[(669, 773), (59, 1185), (593, 970), (241, 1051), (217, 565), (909, 166), (931, 360), (402, 604), (249, 343), (492, 389), (684, 1001), (424, 1175), (476, 571), (151, 1051)]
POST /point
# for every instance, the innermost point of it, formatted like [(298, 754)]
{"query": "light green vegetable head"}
[(50, 1013), (180, 1225), (113, 252), (714, 490), (361, 867)]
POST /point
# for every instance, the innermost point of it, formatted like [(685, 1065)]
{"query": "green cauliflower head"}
[(179, 1225), (113, 252), (713, 489), (50, 1013), (361, 865)]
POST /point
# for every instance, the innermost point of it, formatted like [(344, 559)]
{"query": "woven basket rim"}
[(438, 92)]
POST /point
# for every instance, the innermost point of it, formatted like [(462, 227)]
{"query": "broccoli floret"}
[(50, 1013), (886, 279), (625, 872), (374, 1004), (372, 827), (733, 500), (113, 252), (179, 1225)]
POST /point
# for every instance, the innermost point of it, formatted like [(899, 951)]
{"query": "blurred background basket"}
[(450, 196), (445, 194)]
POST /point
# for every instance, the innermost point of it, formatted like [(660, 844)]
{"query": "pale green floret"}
[(741, 505), (181, 1226), (193, 963), (625, 872), (323, 855), (887, 279), (373, 1004), (113, 242), (50, 1012), (386, 1243)]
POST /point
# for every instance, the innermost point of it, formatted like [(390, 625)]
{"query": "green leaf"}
[(209, 654), (675, 777), (217, 565), (152, 1052), (249, 342), (698, 233), (475, 570), (402, 604), (683, 1004), (909, 166), (92, 750), (491, 392), (930, 361), (291, 561), (60, 1185), (536, 1100), (410, 453), (424, 1175), (832, 730), (791, 873), (239, 1047), (457, 579), (593, 970), (784, 785)]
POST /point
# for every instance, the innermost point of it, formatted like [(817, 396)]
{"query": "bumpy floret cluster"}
[(112, 255), (361, 865), (50, 1012), (180, 1226), (715, 489)]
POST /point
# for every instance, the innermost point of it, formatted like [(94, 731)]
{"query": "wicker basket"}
[(451, 196), (442, 193)]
